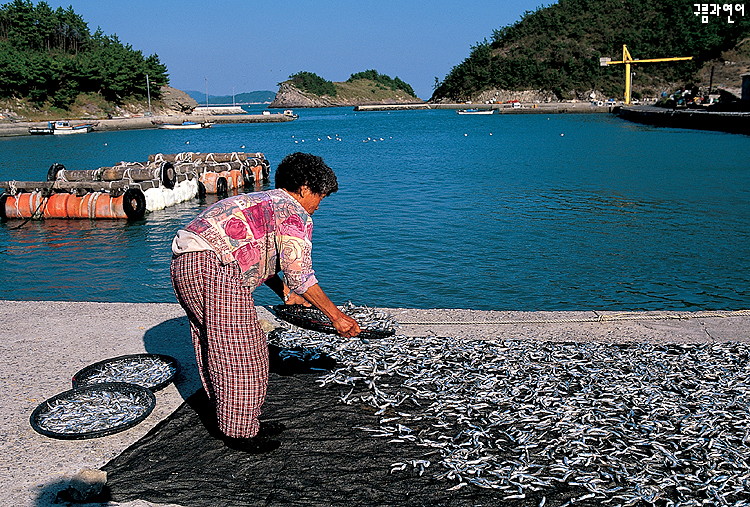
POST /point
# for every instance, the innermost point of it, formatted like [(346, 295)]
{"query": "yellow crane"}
[(629, 60)]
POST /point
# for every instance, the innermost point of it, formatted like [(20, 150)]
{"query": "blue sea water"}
[(435, 210)]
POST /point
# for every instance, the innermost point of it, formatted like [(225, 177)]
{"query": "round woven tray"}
[(92, 411), (152, 371)]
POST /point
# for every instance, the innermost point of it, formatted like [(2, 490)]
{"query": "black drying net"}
[(323, 459)]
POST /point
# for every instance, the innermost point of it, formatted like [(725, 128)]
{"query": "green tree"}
[(48, 55), (383, 80), (313, 83)]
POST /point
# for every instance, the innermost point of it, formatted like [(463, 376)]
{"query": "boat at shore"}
[(475, 111), (185, 125), (62, 127)]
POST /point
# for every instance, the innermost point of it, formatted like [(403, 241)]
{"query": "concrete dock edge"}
[(45, 342)]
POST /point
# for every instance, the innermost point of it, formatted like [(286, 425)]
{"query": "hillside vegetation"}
[(368, 83), (556, 49), (50, 58)]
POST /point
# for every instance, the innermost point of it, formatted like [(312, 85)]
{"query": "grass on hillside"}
[(365, 89)]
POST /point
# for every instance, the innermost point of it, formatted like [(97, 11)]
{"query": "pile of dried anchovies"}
[(147, 372), (369, 319), (636, 424), (91, 411)]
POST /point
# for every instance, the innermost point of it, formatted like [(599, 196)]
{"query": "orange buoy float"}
[(221, 182), (129, 205)]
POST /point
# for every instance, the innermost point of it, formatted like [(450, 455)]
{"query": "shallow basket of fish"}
[(152, 371), (315, 320), (93, 411)]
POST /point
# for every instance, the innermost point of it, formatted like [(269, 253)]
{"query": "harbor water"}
[(435, 210)]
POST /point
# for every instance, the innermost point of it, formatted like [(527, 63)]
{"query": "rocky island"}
[(306, 89)]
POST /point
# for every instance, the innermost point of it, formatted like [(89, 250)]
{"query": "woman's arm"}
[(345, 325), (285, 293)]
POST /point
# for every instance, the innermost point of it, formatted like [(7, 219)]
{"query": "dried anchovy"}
[(638, 424), (144, 371), (91, 411), (369, 319)]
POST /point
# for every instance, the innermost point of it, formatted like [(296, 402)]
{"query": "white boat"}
[(185, 125), (64, 127), (475, 111)]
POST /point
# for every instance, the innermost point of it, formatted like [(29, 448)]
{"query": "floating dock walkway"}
[(129, 190)]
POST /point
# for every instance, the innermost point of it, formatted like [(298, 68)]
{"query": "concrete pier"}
[(524, 108), (44, 343), (149, 122)]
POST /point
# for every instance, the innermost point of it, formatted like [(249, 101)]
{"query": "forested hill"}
[(557, 48), (50, 57)]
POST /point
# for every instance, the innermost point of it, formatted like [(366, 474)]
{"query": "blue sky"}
[(233, 46)]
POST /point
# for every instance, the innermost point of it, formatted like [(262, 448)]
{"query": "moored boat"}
[(186, 125), (475, 111), (48, 130), (63, 127)]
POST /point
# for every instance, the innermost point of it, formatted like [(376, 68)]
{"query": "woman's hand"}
[(296, 299), (346, 326)]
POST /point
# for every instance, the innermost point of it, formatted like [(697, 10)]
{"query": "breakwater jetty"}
[(511, 108), (150, 122), (129, 190), (699, 119)]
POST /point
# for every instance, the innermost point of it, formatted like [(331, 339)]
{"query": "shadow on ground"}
[(323, 460), (172, 338)]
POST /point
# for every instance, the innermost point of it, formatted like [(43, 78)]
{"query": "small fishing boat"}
[(64, 127), (42, 131), (186, 125), (475, 111)]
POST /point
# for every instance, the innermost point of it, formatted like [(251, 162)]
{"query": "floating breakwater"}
[(131, 189)]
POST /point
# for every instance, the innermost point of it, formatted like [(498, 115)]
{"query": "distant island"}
[(307, 89), (255, 97)]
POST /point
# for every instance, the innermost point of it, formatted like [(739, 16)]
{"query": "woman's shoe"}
[(252, 445), (270, 428)]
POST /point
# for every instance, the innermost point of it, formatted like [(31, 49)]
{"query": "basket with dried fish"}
[(94, 410), (374, 324), (152, 371)]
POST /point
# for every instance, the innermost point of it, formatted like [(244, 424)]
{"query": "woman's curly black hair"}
[(304, 169)]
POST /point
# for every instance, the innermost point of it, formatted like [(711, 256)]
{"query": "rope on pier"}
[(598, 318)]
